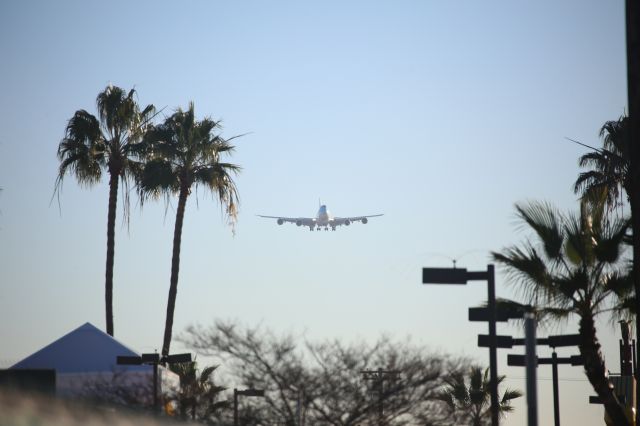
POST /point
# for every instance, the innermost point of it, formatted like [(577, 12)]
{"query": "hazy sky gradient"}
[(439, 114)]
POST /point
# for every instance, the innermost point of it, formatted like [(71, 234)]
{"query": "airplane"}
[(324, 219)]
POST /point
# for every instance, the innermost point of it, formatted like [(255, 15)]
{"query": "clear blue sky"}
[(439, 114)]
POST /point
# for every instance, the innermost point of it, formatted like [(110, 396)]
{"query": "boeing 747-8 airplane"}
[(324, 219)]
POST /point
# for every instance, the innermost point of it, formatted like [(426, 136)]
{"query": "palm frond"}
[(108, 103), (579, 244), (626, 306), (610, 240), (80, 151), (157, 177), (545, 220), (525, 267), (619, 283), (568, 284), (476, 379), (186, 152), (610, 166), (447, 398), (510, 394), (207, 373)]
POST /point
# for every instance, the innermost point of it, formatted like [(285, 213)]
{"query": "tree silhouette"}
[(93, 145), (610, 172), (185, 153), (471, 403), (321, 383), (575, 265)]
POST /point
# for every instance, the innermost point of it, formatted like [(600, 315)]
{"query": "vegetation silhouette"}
[(470, 403), (575, 265), (609, 166), (320, 382), (182, 153), (93, 145), (199, 396)]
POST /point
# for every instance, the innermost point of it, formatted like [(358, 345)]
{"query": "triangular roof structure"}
[(83, 350)]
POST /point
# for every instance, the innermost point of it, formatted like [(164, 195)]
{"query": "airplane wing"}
[(300, 221), (338, 221)]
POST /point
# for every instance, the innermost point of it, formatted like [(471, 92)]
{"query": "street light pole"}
[(245, 392), (531, 362), (235, 407), (493, 357), (155, 385), (461, 276), (556, 390)]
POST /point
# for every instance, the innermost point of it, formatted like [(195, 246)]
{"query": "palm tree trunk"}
[(596, 371), (175, 268), (114, 176)]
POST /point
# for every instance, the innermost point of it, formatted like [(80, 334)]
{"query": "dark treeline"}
[(321, 383)]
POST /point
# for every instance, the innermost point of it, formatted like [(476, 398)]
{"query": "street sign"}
[(501, 341), (516, 360), (564, 340), (129, 360), (444, 275), (151, 358), (482, 315), (177, 358), (251, 392)]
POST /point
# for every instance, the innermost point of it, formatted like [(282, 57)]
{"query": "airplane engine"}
[(347, 222), (299, 223), (364, 221), (280, 221)]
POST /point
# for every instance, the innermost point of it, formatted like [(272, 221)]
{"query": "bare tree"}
[(321, 383)]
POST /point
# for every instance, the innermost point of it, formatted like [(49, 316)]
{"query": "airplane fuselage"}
[(323, 217)]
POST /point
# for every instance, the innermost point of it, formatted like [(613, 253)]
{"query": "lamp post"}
[(245, 392), (154, 360), (462, 276), (530, 364)]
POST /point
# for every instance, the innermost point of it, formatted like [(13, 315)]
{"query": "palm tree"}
[(472, 402), (198, 393), (185, 152), (610, 166), (611, 173), (91, 146), (576, 265)]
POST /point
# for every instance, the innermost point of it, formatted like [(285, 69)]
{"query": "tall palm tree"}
[(472, 402), (610, 166), (93, 145), (575, 265), (185, 153)]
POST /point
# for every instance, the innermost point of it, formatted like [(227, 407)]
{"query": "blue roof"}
[(85, 349)]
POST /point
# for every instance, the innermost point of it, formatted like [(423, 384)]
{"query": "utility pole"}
[(378, 377)]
